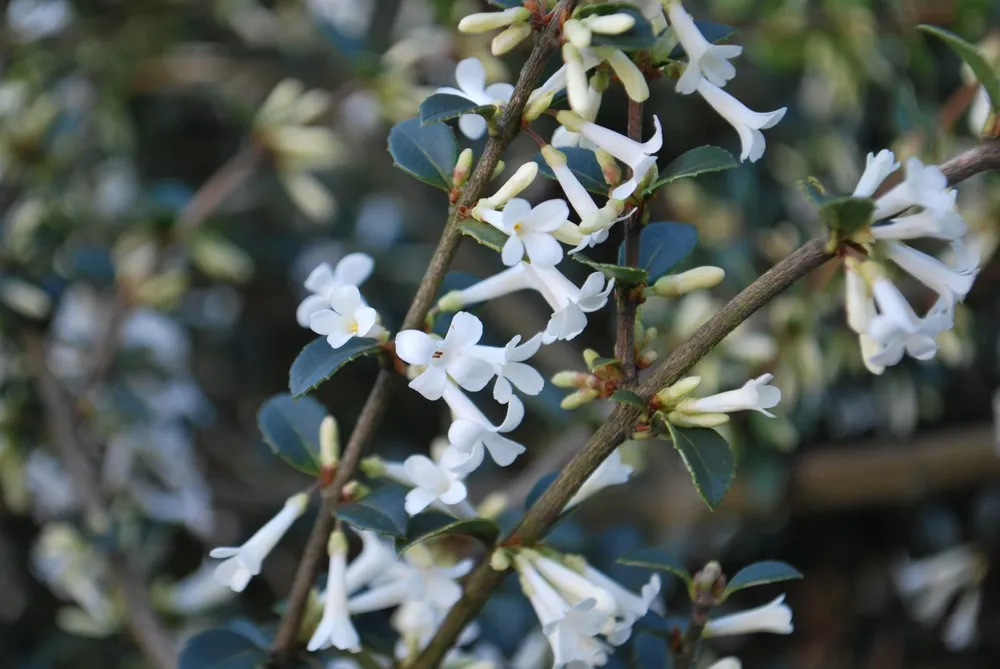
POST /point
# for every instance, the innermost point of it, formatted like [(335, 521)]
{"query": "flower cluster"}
[(921, 206)]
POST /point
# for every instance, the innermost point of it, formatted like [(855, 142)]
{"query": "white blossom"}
[(923, 185), (629, 607), (352, 270), (243, 563), (639, 156), (197, 592), (433, 483), (347, 317), (774, 617), (375, 559), (877, 168), (748, 123), (335, 628), (472, 435), (705, 60), (594, 221), (608, 473), (510, 368), (755, 395), (727, 663), (897, 329), (470, 75), (443, 358), (530, 230), (946, 280), (948, 225)]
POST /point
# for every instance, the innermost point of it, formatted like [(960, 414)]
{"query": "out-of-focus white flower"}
[(335, 628), (62, 559), (530, 230), (433, 483), (51, 490), (510, 369), (470, 75), (705, 60), (748, 123), (352, 270), (639, 156), (979, 111), (243, 563), (927, 586), (774, 617), (593, 219), (31, 20), (350, 17), (472, 435), (451, 356), (346, 318), (727, 663), (197, 592), (608, 473)]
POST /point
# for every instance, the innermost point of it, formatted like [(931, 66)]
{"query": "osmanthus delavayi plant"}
[(606, 175)]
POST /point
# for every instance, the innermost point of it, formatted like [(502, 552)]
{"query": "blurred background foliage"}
[(119, 121)]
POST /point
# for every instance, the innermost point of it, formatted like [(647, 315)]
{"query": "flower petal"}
[(353, 269), (472, 126), (345, 300), (324, 322), (527, 379), (513, 251), (471, 78), (471, 373), (431, 383), (422, 471), (465, 330), (542, 248), (548, 216), (418, 499), (415, 347)]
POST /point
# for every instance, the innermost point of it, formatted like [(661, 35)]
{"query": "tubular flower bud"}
[(569, 379), (486, 21), (329, 443), (628, 73), (537, 106), (498, 170), (510, 38), (578, 399), (590, 356), (577, 33), (521, 179), (699, 278), (697, 420), (609, 24), (672, 394), (463, 167), (609, 167)]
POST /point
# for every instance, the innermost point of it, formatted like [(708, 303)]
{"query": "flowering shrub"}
[(412, 594)]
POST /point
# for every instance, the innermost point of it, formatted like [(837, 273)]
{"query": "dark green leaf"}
[(692, 163), (484, 233), (713, 32), (653, 558), (427, 152), (380, 511), (426, 526), (628, 276), (987, 76), (583, 163), (708, 458), (662, 246), (649, 650), (640, 36), (291, 428), (318, 361), (221, 649), (628, 397), (442, 107), (536, 490), (847, 215), (761, 573)]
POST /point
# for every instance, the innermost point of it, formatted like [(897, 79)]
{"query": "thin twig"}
[(546, 510), (628, 296), (141, 618), (219, 186), (378, 399)]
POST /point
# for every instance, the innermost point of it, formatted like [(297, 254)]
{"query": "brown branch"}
[(628, 296), (619, 425), (141, 618), (219, 186), (375, 406)]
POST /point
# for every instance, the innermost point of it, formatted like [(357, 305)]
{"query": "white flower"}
[(639, 156), (594, 221), (573, 586), (588, 109), (748, 123), (471, 435), (608, 473), (433, 483), (569, 303), (197, 592), (530, 230), (936, 275), (352, 270), (335, 627), (450, 357), (755, 395), (727, 663), (347, 317), (923, 185), (243, 563), (960, 630), (510, 369), (877, 168), (774, 617), (375, 559), (948, 225), (897, 329), (629, 607), (413, 578), (471, 78), (705, 60), (571, 630)]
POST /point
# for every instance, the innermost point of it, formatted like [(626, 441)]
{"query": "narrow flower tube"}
[(486, 21), (627, 72), (859, 303), (748, 124), (923, 185), (936, 275), (521, 179), (335, 628), (705, 60), (948, 225), (608, 473), (774, 617), (755, 395), (241, 564), (376, 557)]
